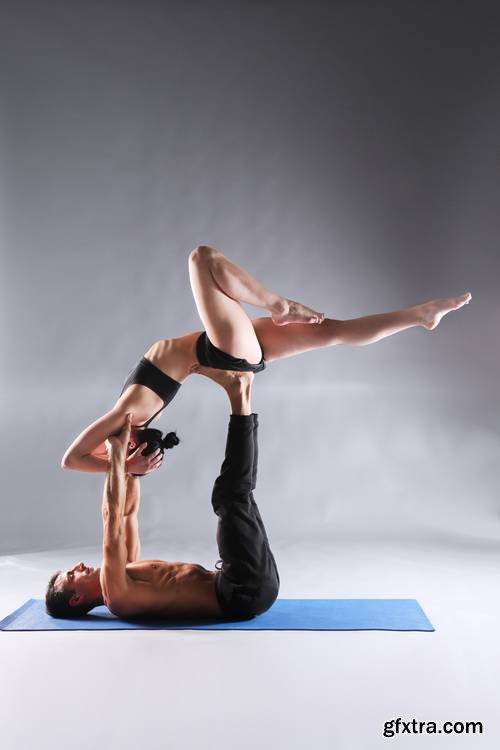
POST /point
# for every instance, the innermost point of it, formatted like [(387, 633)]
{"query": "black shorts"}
[(209, 356), (248, 581)]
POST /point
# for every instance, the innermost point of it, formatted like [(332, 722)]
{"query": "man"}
[(247, 583)]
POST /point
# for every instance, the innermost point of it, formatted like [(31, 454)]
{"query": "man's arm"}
[(114, 579), (132, 503)]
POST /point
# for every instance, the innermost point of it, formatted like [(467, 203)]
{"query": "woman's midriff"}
[(175, 357)]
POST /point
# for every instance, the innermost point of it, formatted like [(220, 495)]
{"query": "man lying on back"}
[(247, 583)]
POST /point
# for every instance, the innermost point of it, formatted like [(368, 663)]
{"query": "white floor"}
[(247, 690)]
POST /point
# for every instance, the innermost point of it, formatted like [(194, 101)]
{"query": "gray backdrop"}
[(345, 153)]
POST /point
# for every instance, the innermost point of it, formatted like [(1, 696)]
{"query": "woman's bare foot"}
[(295, 312), (430, 313)]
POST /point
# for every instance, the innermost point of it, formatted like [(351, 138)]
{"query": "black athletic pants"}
[(248, 581)]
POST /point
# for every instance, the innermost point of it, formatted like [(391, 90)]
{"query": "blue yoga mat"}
[(285, 614)]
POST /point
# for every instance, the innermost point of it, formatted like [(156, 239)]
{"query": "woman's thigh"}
[(286, 341), (227, 325)]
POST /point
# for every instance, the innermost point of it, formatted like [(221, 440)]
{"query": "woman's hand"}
[(138, 464)]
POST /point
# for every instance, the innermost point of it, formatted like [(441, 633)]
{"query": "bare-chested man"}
[(247, 583)]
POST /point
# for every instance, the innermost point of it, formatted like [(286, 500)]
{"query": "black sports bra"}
[(146, 373)]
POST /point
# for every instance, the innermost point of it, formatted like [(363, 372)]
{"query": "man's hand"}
[(119, 443), (138, 464)]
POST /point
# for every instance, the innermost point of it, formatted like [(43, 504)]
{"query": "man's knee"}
[(226, 495)]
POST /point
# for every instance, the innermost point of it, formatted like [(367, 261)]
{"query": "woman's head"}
[(154, 439)]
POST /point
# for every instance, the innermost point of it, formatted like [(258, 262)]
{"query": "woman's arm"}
[(79, 455)]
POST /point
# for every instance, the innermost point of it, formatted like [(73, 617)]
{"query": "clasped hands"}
[(136, 463)]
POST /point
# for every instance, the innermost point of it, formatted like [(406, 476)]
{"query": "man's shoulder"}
[(121, 608), (115, 586), (126, 596), (121, 602)]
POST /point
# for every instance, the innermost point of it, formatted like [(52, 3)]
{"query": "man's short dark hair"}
[(57, 601)]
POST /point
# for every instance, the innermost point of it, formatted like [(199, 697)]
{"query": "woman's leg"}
[(219, 287), (287, 341)]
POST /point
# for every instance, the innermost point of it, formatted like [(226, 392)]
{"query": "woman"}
[(231, 341)]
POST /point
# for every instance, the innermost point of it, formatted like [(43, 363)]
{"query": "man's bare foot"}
[(231, 380), (238, 386), (430, 313), (295, 312)]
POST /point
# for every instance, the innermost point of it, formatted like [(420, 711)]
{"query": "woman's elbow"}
[(68, 461)]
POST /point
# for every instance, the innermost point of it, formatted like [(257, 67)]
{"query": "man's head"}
[(74, 592)]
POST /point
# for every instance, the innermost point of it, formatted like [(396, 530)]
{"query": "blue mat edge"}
[(7, 620), (431, 629)]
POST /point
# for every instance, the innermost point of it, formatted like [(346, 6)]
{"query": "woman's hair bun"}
[(154, 440), (170, 440)]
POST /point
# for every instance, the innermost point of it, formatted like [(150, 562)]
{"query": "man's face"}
[(81, 579)]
